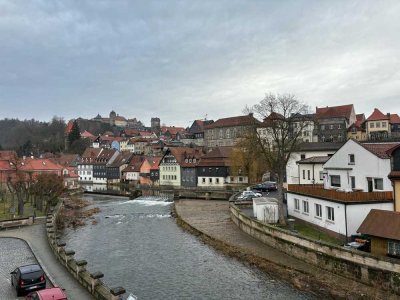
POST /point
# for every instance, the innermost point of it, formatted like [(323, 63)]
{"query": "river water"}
[(138, 245)]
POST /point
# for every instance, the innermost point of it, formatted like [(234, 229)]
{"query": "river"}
[(138, 245)]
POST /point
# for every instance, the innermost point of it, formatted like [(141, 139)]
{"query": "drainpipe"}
[(345, 218), (298, 172), (313, 173)]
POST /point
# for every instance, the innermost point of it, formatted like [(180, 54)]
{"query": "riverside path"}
[(35, 236), (211, 219)]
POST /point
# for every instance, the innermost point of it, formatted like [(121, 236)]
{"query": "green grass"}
[(5, 210), (315, 234)]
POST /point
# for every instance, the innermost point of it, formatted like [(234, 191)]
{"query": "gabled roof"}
[(219, 156), (66, 159), (381, 223), (320, 146), (377, 115), (234, 121), (7, 155), (394, 119), (171, 129), (183, 153), (379, 149), (360, 118), (39, 164), (154, 162), (91, 152), (334, 111), (198, 126), (121, 159), (356, 125), (87, 134), (105, 155)]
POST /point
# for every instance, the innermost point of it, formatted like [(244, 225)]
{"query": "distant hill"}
[(31, 136)]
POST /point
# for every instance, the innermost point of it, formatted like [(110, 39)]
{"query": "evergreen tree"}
[(75, 133)]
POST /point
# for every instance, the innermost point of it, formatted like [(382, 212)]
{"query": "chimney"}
[(251, 114), (388, 115)]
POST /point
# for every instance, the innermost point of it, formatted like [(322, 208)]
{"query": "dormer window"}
[(190, 160)]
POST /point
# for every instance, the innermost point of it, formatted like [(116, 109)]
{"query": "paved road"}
[(213, 219), (14, 253), (36, 237)]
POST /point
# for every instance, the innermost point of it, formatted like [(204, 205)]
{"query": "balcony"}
[(318, 191)]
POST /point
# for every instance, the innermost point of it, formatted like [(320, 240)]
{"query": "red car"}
[(48, 294)]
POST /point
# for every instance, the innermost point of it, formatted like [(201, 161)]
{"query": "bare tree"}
[(284, 117)]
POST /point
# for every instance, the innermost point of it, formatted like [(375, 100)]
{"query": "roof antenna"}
[(205, 118)]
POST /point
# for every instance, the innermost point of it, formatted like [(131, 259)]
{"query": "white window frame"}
[(330, 213), (318, 210)]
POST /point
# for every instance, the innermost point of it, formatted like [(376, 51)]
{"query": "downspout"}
[(345, 218), (298, 172), (313, 173)]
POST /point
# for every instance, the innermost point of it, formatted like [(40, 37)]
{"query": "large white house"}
[(355, 181), (363, 167)]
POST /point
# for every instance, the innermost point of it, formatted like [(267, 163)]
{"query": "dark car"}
[(271, 185), (28, 278)]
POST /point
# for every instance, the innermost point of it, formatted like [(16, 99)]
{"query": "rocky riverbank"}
[(75, 213)]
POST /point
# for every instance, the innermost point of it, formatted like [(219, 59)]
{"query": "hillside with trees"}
[(32, 137)]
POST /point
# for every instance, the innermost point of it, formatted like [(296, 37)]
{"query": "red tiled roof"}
[(377, 115), (379, 149), (91, 152), (171, 129), (7, 155), (356, 125), (381, 223), (360, 118), (5, 165), (334, 111), (154, 162), (219, 156), (39, 164), (234, 121), (394, 119), (183, 153), (87, 134)]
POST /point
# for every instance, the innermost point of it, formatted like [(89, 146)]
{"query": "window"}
[(378, 124), (394, 248), (383, 124), (351, 159), (330, 212), (296, 204), (321, 175), (378, 183), (339, 126), (340, 137), (203, 180), (302, 156), (240, 179), (318, 210), (216, 180), (353, 182), (322, 127), (305, 206), (304, 174), (330, 126), (372, 125), (335, 180), (323, 138), (210, 180), (308, 174)]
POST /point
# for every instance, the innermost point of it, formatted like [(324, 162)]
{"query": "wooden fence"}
[(319, 191)]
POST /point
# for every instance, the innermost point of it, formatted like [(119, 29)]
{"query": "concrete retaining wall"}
[(380, 272), (16, 222), (91, 281)]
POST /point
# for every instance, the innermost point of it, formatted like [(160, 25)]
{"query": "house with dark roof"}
[(196, 130), (383, 230), (381, 126), (132, 172), (178, 166), (228, 131), (85, 166), (214, 169), (355, 180), (311, 169), (169, 132), (333, 122), (105, 157), (114, 168)]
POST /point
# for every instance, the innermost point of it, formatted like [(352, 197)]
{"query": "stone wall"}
[(90, 281), (16, 222), (381, 272)]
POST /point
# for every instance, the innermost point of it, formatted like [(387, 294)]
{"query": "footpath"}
[(35, 236), (211, 221)]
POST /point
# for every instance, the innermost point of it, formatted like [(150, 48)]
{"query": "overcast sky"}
[(184, 60)]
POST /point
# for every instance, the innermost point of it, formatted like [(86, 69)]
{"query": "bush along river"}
[(137, 245)]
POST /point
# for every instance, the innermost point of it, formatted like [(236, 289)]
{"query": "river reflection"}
[(137, 245)]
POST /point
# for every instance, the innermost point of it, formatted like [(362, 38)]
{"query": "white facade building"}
[(343, 218), (362, 167)]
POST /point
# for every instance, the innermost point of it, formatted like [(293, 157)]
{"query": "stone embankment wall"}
[(91, 281), (380, 272)]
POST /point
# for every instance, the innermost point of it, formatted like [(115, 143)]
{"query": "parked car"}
[(248, 195), (55, 293), (28, 278), (270, 185)]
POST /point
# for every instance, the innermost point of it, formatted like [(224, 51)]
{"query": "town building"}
[(105, 157), (114, 169), (85, 166), (228, 131), (333, 122), (213, 170), (357, 130), (381, 126), (149, 165)]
